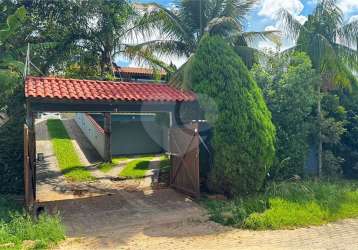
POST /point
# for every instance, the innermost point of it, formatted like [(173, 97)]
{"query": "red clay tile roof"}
[(137, 71), (76, 89)]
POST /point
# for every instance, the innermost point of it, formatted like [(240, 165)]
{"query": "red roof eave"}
[(54, 88)]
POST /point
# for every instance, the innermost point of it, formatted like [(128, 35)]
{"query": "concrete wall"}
[(131, 134), (93, 132), (136, 137)]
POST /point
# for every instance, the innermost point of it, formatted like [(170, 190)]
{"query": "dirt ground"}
[(168, 220)]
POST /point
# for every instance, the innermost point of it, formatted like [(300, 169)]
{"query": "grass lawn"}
[(106, 166), (289, 205), (136, 168), (18, 229), (65, 152)]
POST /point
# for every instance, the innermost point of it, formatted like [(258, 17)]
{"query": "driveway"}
[(165, 219)]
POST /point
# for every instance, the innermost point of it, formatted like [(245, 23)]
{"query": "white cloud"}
[(301, 19), (270, 28), (348, 5), (266, 45), (269, 8), (177, 61), (353, 18)]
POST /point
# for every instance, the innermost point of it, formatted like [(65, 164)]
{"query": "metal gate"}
[(184, 149), (29, 167)]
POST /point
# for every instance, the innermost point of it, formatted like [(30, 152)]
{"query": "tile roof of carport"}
[(91, 90)]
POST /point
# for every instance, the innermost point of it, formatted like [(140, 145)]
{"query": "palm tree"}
[(184, 26), (96, 32), (330, 44)]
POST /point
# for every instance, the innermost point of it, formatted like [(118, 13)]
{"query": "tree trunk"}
[(319, 139), (106, 63)]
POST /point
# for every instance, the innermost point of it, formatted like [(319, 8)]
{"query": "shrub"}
[(243, 140), (288, 87)]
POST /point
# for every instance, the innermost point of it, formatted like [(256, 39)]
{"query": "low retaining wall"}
[(93, 131)]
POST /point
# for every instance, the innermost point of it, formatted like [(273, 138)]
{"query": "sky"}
[(262, 17)]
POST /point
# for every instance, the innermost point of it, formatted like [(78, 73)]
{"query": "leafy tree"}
[(184, 26), (329, 43), (348, 147), (11, 102), (243, 140), (10, 68), (81, 35), (288, 84)]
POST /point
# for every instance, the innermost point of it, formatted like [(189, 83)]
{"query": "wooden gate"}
[(29, 167), (184, 148)]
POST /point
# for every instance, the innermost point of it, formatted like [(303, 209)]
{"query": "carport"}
[(51, 94)]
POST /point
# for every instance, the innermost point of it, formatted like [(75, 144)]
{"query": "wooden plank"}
[(184, 144), (27, 179), (107, 136)]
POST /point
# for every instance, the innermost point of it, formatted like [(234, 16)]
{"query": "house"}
[(131, 74), (132, 133)]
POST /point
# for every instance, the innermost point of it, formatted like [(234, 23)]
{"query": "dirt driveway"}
[(165, 219)]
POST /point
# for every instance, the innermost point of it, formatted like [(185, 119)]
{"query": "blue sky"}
[(262, 16)]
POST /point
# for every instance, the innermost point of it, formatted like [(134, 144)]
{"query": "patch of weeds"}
[(289, 205), (18, 229), (234, 212)]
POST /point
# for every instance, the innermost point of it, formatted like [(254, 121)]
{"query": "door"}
[(184, 149)]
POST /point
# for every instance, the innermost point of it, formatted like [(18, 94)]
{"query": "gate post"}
[(107, 136), (29, 159)]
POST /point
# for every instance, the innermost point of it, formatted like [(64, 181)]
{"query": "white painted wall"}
[(94, 134)]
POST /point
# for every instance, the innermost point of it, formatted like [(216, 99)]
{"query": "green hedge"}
[(243, 135)]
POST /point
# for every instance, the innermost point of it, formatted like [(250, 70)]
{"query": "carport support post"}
[(107, 136), (30, 172)]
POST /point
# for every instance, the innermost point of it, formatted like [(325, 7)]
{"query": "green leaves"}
[(328, 42), (288, 85), (244, 135), (191, 20), (13, 23)]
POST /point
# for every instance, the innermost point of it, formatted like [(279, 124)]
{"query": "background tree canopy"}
[(288, 84)]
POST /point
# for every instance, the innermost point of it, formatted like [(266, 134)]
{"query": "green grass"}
[(65, 152), (136, 168), (105, 167), (118, 159), (17, 227), (289, 205)]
